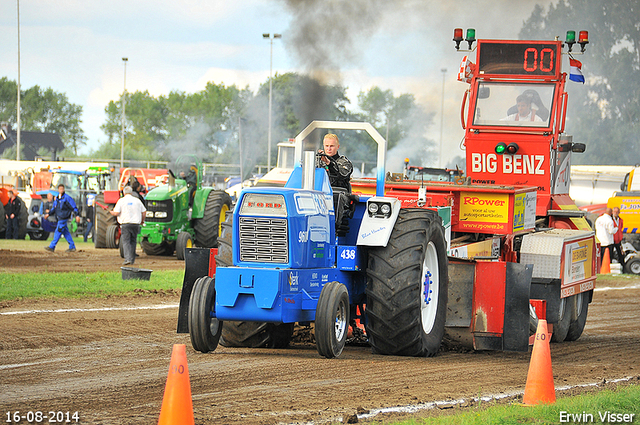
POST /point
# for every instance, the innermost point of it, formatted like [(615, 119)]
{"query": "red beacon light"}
[(583, 39), (457, 37)]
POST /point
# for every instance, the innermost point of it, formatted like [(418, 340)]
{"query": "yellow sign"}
[(484, 207), (578, 261)]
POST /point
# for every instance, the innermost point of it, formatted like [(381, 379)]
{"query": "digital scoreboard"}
[(539, 59)]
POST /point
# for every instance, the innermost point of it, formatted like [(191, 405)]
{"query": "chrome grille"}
[(264, 240)]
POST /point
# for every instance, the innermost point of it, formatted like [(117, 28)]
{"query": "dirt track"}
[(111, 365)]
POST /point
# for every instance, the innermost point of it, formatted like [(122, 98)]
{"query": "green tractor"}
[(183, 213)]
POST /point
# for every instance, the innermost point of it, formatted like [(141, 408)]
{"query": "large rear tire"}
[(208, 228), (332, 320), (577, 326), (407, 287), (103, 219), (163, 248), (183, 242), (203, 329), (113, 236)]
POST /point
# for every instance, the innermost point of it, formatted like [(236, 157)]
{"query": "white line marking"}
[(412, 408), (611, 288), (80, 310)]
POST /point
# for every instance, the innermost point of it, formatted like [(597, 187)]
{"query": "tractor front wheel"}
[(163, 248), (204, 330), (332, 319), (113, 236), (183, 242), (407, 287)]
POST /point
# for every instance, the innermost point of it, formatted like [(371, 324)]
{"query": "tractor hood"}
[(161, 193)]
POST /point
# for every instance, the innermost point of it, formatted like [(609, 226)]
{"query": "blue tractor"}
[(307, 252)]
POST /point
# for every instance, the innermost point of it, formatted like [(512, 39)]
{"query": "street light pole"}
[(124, 105), (270, 37), (444, 71), (18, 105)]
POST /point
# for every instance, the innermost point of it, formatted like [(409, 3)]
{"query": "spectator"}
[(48, 224), (131, 213), (63, 208), (617, 238), (12, 213), (605, 229), (90, 215)]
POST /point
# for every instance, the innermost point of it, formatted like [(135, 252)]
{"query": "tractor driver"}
[(338, 166)]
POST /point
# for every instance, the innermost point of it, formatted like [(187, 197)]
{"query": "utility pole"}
[(270, 37), (124, 105), (18, 106)]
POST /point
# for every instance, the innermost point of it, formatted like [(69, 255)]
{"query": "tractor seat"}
[(344, 205)]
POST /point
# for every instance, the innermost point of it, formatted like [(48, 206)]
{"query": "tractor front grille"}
[(264, 240), (160, 211)]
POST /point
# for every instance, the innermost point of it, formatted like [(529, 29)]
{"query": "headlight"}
[(373, 207), (161, 214), (385, 209), (149, 214)]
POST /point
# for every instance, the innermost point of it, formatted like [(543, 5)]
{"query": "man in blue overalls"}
[(63, 207)]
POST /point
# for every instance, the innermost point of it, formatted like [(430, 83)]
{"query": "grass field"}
[(76, 284), (608, 406)]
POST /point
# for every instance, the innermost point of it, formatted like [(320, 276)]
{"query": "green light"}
[(471, 34), (500, 148), (571, 36)]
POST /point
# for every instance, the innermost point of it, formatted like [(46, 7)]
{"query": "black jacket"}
[(13, 207), (339, 170)]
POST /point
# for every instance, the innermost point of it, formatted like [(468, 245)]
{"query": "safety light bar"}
[(470, 38), (583, 40)]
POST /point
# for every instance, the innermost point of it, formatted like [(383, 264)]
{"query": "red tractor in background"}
[(107, 229)]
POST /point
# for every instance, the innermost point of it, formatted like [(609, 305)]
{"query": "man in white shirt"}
[(525, 113), (131, 213), (605, 229)]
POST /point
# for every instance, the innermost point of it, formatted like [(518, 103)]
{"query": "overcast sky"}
[(76, 47)]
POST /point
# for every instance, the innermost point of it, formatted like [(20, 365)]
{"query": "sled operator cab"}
[(515, 123)]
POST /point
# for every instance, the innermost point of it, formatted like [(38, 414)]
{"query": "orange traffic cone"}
[(606, 263), (177, 407), (539, 388)]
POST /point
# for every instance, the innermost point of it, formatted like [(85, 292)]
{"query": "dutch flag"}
[(575, 72)]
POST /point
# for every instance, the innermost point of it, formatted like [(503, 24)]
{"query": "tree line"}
[(604, 113)]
